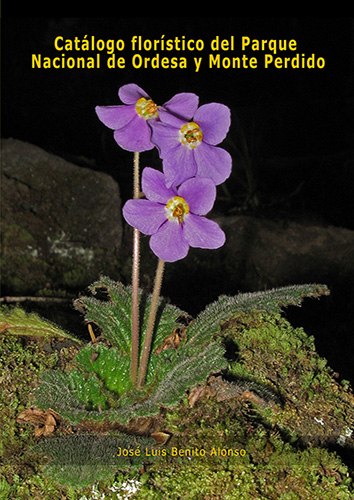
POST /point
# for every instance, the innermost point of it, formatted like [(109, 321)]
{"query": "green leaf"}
[(73, 395), (113, 315), (207, 324), (82, 459), (183, 373), (189, 371), (103, 372), (110, 366), (17, 322)]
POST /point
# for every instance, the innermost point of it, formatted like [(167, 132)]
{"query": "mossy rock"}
[(60, 221), (316, 408), (287, 433), (278, 402)]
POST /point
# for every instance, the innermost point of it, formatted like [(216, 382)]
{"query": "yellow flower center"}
[(146, 108), (177, 209), (191, 135)]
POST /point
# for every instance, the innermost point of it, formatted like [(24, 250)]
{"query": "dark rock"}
[(61, 223), (260, 254), (267, 253)]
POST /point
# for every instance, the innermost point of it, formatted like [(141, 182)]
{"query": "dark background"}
[(291, 135), (296, 124)]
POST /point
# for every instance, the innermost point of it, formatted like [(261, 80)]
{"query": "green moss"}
[(20, 260), (269, 467), (14, 232), (232, 479), (201, 480), (293, 446), (22, 361), (317, 409), (291, 449), (21, 364)]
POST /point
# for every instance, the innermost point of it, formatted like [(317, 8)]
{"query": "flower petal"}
[(183, 105), (199, 193), (115, 117), (131, 92), (135, 136), (214, 120), (154, 187), (179, 165), (164, 136), (168, 242), (213, 162), (145, 215), (203, 233)]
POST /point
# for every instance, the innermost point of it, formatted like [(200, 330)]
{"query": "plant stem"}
[(150, 324), (135, 283)]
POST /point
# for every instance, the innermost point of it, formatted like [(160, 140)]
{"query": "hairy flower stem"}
[(135, 283), (150, 324)]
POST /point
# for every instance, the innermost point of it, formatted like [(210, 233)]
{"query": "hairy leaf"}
[(113, 314), (110, 366), (187, 372), (17, 322), (103, 372), (207, 324), (79, 460), (71, 394)]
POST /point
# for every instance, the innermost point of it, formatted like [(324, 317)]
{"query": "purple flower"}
[(130, 121), (189, 148), (174, 217)]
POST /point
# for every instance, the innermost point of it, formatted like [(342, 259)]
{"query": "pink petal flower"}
[(168, 243), (214, 119), (200, 232), (191, 190), (130, 93), (174, 218), (145, 215), (188, 148), (154, 187), (130, 121)]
